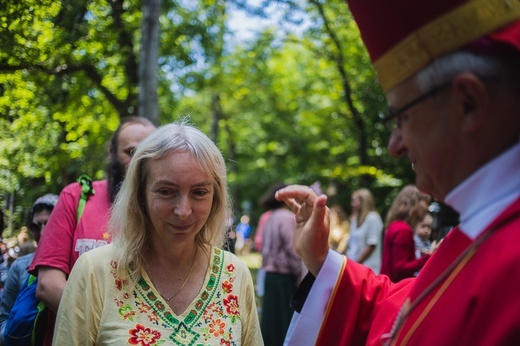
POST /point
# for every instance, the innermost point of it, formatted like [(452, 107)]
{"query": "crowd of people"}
[(145, 257), (131, 214)]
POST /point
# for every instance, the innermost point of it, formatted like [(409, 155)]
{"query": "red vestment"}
[(477, 304)]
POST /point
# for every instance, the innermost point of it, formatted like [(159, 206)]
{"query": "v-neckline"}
[(191, 306)]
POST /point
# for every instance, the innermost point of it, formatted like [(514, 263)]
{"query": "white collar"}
[(486, 193)]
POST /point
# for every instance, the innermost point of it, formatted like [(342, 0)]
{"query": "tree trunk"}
[(148, 101), (216, 115)]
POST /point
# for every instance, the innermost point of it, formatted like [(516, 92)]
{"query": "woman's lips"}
[(181, 228)]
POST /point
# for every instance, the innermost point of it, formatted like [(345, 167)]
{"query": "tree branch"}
[(65, 69), (340, 64)]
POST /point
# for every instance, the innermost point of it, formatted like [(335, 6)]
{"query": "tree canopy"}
[(298, 102)]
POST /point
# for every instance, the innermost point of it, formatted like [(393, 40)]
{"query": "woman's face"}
[(179, 196)]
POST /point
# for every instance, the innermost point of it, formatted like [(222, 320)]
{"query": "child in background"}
[(422, 236)]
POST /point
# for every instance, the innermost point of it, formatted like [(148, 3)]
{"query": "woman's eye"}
[(164, 192), (200, 193)]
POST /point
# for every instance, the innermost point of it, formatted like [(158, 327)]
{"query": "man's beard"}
[(116, 175)]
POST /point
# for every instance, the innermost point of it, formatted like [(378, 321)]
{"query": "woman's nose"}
[(182, 207)]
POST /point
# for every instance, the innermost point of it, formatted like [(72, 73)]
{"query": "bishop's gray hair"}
[(501, 72)]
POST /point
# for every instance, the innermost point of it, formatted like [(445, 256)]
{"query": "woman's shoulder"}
[(397, 226), (100, 251), (230, 258), (97, 258), (400, 224), (374, 216)]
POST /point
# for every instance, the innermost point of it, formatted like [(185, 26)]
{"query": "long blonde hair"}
[(367, 204), (129, 222)]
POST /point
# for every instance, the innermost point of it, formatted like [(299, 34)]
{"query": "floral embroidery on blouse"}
[(231, 303), (141, 335), (213, 317)]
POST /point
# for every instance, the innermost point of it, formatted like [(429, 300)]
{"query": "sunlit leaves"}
[(69, 71)]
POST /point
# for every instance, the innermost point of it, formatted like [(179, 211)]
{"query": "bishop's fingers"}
[(296, 195)]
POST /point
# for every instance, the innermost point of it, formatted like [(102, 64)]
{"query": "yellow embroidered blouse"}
[(100, 308)]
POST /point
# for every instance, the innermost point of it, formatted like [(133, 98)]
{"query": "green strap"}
[(40, 316), (31, 279), (86, 191)]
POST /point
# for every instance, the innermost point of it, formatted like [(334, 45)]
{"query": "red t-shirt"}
[(62, 242)]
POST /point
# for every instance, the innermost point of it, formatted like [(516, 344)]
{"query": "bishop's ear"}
[(473, 97)]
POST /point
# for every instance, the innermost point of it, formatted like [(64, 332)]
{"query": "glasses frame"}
[(396, 115)]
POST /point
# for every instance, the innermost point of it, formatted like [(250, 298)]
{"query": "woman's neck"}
[(178, 256)]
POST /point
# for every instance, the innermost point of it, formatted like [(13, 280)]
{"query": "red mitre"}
[(403, 36)]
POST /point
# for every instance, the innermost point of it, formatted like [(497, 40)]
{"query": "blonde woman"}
[(366, 229), (164, 278)]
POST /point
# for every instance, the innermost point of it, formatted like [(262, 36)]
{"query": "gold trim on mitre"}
[(443, 35)]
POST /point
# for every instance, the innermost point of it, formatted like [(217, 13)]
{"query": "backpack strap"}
[(86, 191), (31, 279)]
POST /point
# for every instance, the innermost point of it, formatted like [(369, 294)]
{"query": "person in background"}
[(231, 236), (257, 243), (451, 73), (25, 248), (282, 267), (23, 236), (40, 213), (9, 256), (242, 231), (268, 204), (366, 231), (64, 240), (25, 244), (422, 237), (406, 212), (339, 229), (264, 202), (164, 278)]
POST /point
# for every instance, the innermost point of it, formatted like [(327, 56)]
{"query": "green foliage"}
[(286, 118), (293, 107), (55, 116)]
